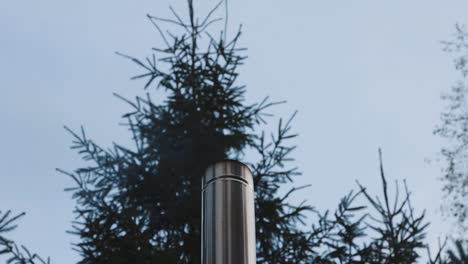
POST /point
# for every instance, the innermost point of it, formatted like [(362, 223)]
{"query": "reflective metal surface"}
[(228, 220)]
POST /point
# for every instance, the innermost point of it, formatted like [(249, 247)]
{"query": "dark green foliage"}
[(379, 230), (15, 254), (142, 204)]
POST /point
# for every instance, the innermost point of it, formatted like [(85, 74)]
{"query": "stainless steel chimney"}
[(228, 217)]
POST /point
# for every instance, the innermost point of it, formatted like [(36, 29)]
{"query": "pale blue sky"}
[(362, 74)]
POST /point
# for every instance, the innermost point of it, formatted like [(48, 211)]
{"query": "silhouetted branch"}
[(15, 254)]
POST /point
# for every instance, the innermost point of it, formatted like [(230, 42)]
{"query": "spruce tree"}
[(141, 204), (372, 229)]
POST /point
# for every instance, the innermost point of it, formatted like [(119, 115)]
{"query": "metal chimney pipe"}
[(228, 217)]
